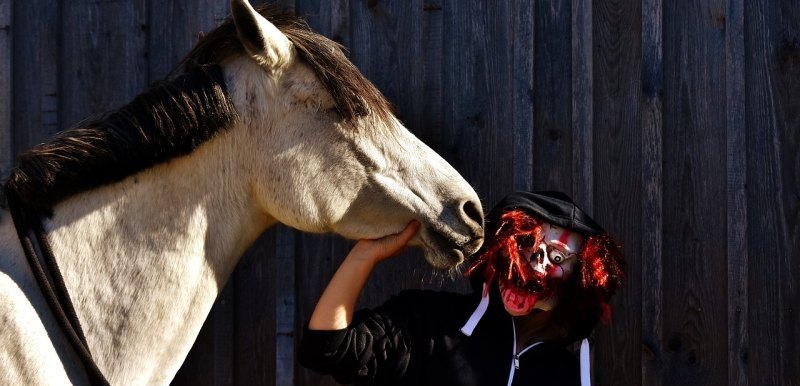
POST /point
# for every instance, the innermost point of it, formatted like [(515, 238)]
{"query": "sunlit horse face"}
[(361, 176)]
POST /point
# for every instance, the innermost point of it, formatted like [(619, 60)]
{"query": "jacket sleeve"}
[(374, 350)]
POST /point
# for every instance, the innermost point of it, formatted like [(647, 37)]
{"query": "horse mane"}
[(175, 116)]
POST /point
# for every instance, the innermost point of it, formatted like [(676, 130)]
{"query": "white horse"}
[(149, 208)]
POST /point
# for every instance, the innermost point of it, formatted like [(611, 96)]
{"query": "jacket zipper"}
[(515, 362)]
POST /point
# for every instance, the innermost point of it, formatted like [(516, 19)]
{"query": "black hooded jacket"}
[(415, 339)]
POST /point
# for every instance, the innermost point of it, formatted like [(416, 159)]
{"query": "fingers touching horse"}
[(149, 207)]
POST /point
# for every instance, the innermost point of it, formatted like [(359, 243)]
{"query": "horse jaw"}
[(409, 181)]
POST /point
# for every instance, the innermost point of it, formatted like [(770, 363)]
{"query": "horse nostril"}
[(472, 211)]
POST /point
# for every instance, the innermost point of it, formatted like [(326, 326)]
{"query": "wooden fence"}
[(675, 123)]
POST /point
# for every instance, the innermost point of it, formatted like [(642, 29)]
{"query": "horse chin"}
[(443, 260), (441, 253)]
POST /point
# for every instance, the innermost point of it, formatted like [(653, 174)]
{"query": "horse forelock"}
[(177, 115), (170, 119)]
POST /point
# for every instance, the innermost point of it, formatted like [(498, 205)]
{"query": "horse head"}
[(326, 153)]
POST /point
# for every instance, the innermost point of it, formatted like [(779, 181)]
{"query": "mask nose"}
[(540, 261)]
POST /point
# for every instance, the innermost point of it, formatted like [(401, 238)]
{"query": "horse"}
[(148, 208)]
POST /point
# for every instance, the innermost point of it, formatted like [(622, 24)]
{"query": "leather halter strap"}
[(32, 235)]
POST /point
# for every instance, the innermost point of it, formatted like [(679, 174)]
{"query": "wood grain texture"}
[(255, 325), (618, 172), (429, 126), (478, 95), (582, 105), (317, 258), (787, 75), (552, 135), (6, 71), (652, 110), (764, 206), (35, 57), (285, 303), (383, 33), (695, 236), (738, 338), (103, 64), (523, 74), (772, 39), (174, 27), (327, 17)]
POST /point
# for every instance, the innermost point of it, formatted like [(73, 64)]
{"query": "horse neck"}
[(144, 259)]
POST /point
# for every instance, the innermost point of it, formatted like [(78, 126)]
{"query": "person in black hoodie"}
[(542, 281)]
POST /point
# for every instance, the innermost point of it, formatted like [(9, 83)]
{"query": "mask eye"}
[(557, 257)]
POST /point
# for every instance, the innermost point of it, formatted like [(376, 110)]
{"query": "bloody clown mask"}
[(530, 259), (541, 246), (546, 265)]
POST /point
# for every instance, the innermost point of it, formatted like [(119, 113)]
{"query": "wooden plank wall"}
[(5, 85), (676, 124)]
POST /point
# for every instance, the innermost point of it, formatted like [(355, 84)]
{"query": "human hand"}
[(378, 250)]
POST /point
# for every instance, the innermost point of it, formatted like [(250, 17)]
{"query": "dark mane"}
[(169, 120), (177, 115)]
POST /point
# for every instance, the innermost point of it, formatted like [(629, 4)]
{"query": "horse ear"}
[(262, 40)]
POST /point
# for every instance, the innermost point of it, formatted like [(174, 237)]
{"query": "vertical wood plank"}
[(652, 361), (103, 56), (174, 27), (329, 18), (738, 338), (6, 37), (223, 316), (553, 97), (284, 275), (785, 72), (385, 35), (787, 93), (317, 257), (582, 104), (764, 208), (254, 315), (618, 197), (35, 72), (478, 116), (429, 128), (695, 209), (772, 76), (523, 76)]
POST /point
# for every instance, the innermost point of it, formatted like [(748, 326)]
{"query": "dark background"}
[(675, 123)]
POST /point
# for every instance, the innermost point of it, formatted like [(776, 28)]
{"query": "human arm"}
[(368, 346), (335, 308)]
